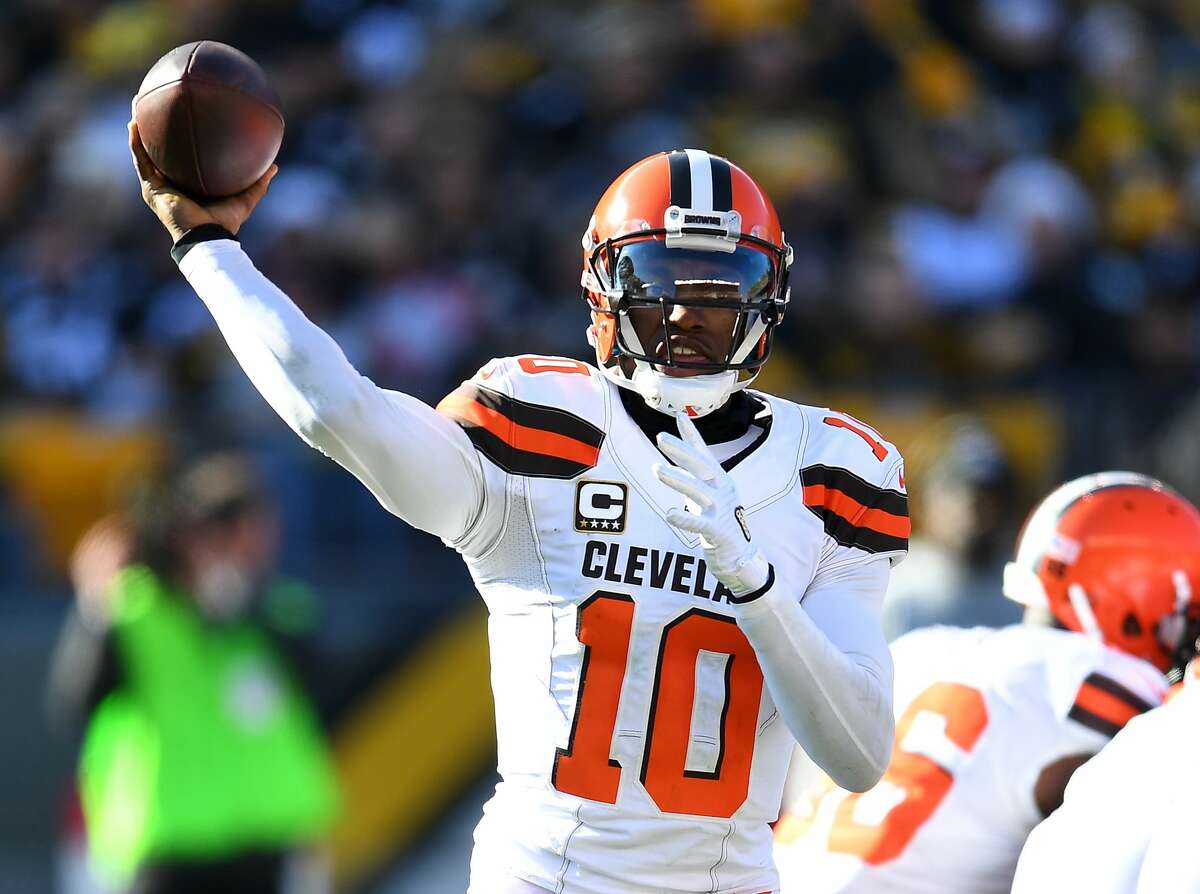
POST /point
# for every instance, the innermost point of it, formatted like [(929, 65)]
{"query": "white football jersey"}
[(980, 713), (1128, 822), (639, 748)]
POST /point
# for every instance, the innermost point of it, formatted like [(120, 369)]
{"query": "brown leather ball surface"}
[(209, 119)]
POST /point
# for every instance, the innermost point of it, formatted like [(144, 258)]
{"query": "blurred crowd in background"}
[(989, 200), (994, 206)]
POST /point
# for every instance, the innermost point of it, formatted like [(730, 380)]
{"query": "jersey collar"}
[(729, 423)]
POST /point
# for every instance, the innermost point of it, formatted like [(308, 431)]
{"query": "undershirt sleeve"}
[(419, 464), (828, 667)]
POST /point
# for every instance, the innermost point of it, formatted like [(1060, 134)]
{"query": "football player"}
[(1127, 823), (644, 532), (991, 723)]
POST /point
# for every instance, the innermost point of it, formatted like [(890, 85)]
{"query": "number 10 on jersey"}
[(585, 768)]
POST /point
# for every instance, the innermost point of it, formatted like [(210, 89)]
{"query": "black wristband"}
[(754, 594), (204, 233)]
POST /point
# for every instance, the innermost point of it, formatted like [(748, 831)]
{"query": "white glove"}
[(714, 511)]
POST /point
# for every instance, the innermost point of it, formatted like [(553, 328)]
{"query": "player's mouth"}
[(685, 352)]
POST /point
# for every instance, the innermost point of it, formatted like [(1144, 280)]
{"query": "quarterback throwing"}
[(684, 577)]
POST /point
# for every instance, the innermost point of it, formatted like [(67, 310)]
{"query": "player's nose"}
[(686, 316)]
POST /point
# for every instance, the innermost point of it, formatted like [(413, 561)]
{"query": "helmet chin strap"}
[(1083, 612), (695, 395), (1173, 627)]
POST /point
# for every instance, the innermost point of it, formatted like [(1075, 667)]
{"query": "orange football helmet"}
[(1115, 556), (693, 229)]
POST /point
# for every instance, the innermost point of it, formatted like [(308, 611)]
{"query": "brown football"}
[(209, 119)]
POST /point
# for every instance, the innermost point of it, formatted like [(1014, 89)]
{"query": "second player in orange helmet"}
[(991, 724)]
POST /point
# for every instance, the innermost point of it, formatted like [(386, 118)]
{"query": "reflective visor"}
[(718, 297), (649, 271)]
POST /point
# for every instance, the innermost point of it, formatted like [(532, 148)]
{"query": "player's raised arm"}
[(417, 463)]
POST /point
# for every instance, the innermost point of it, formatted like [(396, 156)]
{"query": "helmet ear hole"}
[(1131, 626), (1055, 567)]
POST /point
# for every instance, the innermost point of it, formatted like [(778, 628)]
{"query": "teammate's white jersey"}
[(980, 713), (1128, 822), (636, 737), (645, 723)]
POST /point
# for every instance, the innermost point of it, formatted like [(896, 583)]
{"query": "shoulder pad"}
[(854, 482), (540, 417), (840, 439), (1115, 689)]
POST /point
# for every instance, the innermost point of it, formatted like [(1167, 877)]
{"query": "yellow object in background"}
[(125, 37), (66, 472), (938, 79), (412, 746), (736, 17)]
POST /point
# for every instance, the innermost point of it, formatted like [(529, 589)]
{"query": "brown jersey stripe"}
[(527, 415), (858, 489), (1104, 705), (848, 534), (523, 438), (521, 462), (518, 437), (1112, 687), (1094, 721), (855, 512)]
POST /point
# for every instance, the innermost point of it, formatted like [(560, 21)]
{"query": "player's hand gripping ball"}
[(208, 119)]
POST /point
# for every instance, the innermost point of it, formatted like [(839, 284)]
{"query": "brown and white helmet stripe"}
[(699, 181)]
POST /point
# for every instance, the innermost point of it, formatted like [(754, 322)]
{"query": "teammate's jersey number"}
[(946, 719), (584, 768)]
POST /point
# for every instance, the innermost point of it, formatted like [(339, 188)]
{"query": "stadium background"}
[(994, 205)]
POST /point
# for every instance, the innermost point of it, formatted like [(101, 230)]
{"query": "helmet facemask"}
[(639, 280), (1179, 634)]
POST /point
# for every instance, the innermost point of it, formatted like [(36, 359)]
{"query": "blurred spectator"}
[(963, 511), (203, 768)]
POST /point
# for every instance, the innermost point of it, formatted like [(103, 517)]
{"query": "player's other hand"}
[(105, 548), (713, 510), (179, 213)]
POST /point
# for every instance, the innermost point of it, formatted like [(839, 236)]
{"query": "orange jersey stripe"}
[(855, 512), (519, 437), (1105, 705)]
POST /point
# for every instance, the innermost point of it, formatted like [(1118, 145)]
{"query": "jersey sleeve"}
[(1170, 862), (475, 407), (526, 417), (1085, 699), (853, 482), (1096, 701), (528, 437), (1097, 840)]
